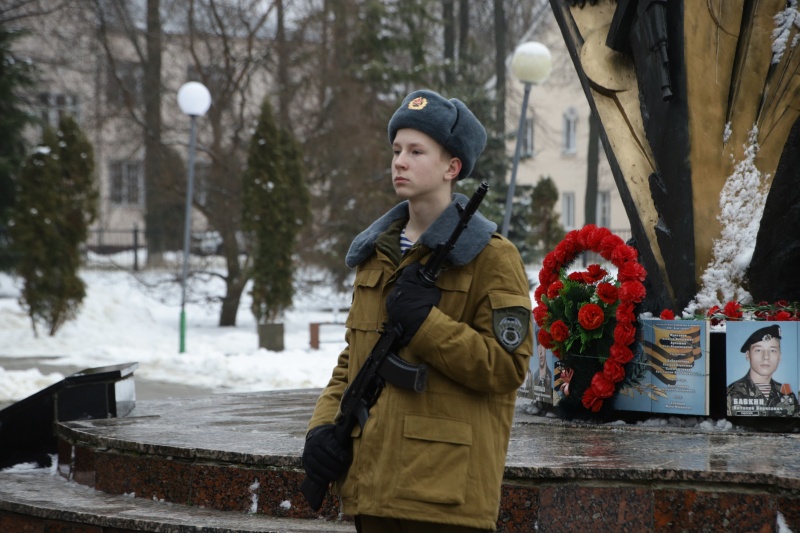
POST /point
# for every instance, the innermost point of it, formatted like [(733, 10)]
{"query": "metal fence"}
[(119, 248)]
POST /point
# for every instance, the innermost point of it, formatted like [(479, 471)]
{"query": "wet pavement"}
[(191, 462), (268, 428)]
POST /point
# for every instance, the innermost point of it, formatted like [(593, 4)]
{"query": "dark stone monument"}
[(27, 427)]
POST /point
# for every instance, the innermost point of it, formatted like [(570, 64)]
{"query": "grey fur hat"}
[(448, 122)]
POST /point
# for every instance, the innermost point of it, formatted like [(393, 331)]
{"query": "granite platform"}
[(239, 454)]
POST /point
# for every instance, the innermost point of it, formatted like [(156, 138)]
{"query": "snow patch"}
[(785, 21), (741, 203)]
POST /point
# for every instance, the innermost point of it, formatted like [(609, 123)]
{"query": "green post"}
[(183, 331)]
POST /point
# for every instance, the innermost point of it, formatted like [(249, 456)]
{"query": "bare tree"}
[(15, 11), (223, 46)]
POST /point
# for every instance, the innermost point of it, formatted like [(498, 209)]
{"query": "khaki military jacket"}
[(439, 455)]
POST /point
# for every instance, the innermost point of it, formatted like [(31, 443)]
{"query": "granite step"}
[(41, 500)]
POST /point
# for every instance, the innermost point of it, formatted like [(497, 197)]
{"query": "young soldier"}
[(430, 461), (757, 393)]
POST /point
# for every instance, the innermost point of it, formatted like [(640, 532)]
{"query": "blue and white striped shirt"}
[(405, 242)]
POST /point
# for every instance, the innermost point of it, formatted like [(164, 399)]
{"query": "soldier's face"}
[(764, 357), (542, 355)]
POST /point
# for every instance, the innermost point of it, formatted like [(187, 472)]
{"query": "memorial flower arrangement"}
[(587, 317), (780, 311)]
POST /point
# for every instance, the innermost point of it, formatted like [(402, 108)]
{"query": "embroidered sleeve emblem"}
[(511, 327)]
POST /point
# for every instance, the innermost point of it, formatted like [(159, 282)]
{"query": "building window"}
[(527, 138), (568, 210), (55, 105), (124, 83), (604, 209), (570, 145), (127, 182)]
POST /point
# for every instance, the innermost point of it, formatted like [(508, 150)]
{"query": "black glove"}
[(410, 302), (324, 459)]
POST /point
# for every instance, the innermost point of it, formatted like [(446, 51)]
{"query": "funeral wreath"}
[(587, 317)]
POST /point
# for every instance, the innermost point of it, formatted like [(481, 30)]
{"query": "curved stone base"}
[(241, 453)]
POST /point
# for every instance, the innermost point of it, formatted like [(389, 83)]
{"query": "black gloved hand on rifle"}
[(324, 459), (410, 302)]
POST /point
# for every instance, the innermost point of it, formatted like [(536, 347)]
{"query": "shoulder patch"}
[(511, 326)]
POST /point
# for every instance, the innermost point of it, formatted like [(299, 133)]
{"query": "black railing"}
[(123, 244)]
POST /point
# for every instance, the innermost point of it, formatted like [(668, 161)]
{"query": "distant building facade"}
[(556, 136)]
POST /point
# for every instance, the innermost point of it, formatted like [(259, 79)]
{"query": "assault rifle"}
[(383, 365)]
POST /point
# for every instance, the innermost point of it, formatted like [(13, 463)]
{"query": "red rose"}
[(576, 276), (546, 277), (570, 243), (782, 315), (782, 303), (733, 310), (545, 339), (591, 316), (608, 293), (632, 291), (711, 312), (620, 354), (631, 270), (609, 244), (603, 387), (667, 314), (552, 291), (540, 313), (624, 253), (596, 236), (581, 238), (591, 401), (624, 312), (559, 331), (560, 255), (549, 265), (624, 333), (594, 274), (613, 371), (537, 294)]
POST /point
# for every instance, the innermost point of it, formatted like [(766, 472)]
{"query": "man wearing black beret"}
[(757, 394), (432, 461)]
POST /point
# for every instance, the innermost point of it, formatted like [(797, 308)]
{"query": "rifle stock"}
[(383, 365)]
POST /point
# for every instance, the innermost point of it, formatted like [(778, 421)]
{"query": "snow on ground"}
[(135, 318)]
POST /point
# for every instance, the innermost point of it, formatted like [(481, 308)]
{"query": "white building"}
[(556, 136)]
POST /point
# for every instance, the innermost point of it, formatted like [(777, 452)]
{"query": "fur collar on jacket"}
[(474, 238)]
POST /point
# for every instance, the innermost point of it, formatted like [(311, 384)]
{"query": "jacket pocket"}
[(367, 295), (455, 286), (434, 459)]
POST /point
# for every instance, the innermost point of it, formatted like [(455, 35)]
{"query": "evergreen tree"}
[(56, 202), (546, 230), (275, 209), (14, 75)]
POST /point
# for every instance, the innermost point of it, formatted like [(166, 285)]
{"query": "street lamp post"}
[(531, 64), (194, 100)]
